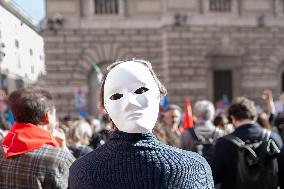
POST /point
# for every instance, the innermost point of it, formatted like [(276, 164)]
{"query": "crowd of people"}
[(134, 145)]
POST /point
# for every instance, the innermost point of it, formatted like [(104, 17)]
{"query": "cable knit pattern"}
[(139, 161)]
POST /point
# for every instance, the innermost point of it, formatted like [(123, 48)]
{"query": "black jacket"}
[(224, 161)]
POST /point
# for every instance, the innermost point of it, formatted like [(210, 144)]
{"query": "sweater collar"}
[(117, 134)]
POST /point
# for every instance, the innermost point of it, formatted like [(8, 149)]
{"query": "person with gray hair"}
[(204, 110), (203, 136)]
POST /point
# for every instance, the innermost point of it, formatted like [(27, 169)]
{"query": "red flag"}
[(187, 116)]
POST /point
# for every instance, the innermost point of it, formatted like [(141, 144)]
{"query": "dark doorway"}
[(223, 84), (282, 82)]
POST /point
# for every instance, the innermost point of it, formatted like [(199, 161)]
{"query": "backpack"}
[(257, 165), (204, 148)]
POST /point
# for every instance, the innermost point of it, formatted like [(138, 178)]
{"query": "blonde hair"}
[(79, 134)]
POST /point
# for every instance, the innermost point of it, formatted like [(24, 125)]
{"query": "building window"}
[(17, 45), (220, 5), (32, 69), (106, 6), (19, 83), (31, 52), (3, 82)]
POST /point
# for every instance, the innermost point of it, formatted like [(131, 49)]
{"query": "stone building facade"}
[(201, 49)]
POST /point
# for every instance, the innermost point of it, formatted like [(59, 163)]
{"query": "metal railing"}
[(106, 7), (220, 5)]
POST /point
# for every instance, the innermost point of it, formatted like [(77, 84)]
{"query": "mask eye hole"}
[(141, 90), (116, 96)]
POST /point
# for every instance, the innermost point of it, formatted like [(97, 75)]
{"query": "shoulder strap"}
[(192, 132), (265, 134), (241, 144), (214, 133), (235, 140)]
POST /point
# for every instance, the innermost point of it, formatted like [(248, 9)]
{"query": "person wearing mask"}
[(133, 157)]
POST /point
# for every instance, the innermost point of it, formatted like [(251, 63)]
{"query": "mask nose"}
[(132, 100)]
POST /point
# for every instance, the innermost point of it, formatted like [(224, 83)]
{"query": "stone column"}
[(88, 8)]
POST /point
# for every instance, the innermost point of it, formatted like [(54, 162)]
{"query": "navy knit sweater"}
[(139, 161)]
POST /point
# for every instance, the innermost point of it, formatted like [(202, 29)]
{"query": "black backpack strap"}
[(235, 140), (240, 143), (192, 132), (265, 134)]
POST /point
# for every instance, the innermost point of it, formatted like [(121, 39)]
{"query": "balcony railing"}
[(106, 7), (220, 5)]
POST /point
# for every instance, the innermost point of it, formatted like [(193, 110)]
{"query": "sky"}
[(35, 9)]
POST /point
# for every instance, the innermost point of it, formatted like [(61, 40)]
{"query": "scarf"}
[(25, 137)]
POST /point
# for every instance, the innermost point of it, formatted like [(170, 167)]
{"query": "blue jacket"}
[(224, 161), (139, 161)]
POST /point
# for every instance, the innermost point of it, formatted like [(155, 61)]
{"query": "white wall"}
[(18, 62)]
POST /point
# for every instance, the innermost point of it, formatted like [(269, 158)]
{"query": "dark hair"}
[(147, 64), (29, 105), (279, 120), (220, 119), (242, 108)]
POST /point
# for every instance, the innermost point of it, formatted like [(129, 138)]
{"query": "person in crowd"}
[(65, 124), (78, 138), (221, 121), (101, 131), (278, 119), (167, 129), (267, 97), (272, 119), (226, 164), (159, 131), (263, 120), (202, 137), (4, 111), (172, 117), (30, 157), (2, 134), (133, 157)]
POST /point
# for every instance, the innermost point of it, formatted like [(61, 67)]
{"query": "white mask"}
[(131, 97)]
